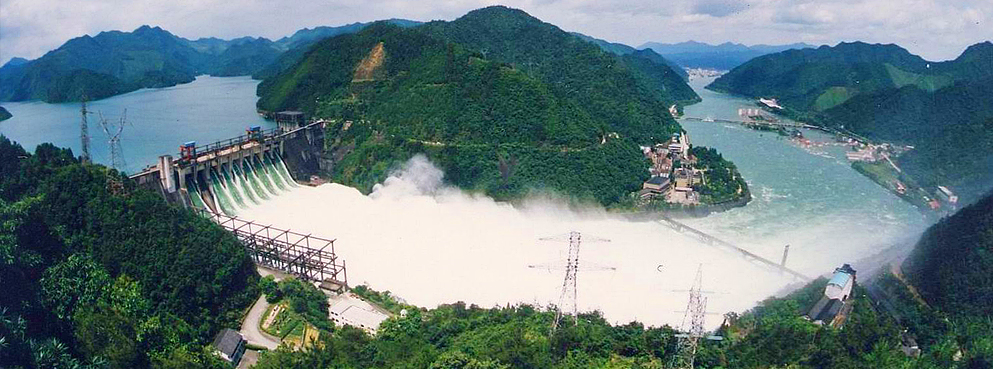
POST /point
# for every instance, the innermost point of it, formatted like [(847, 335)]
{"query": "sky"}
[(936, 30)]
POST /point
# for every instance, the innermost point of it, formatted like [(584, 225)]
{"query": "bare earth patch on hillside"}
[(366, 70)]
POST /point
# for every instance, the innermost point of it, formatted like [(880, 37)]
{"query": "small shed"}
[(229, 345)]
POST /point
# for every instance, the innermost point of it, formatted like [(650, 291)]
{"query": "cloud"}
[(934, 29), (719, 8)]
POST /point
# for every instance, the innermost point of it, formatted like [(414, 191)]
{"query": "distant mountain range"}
[(692, 54), (622, 49), (115, 62), (944, 109)]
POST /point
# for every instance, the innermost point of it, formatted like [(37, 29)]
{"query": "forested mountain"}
[(95, 278), (115, 62), (951, 130), (622, 49), (504, 102), (299, 43), (107, 64), (951, 263), (885, 93), (692, 54)]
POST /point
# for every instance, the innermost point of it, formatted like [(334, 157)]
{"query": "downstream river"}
[(158, 120), (807, 196), (432, 244)]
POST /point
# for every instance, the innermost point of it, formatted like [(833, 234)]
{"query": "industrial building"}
[(832, 309)]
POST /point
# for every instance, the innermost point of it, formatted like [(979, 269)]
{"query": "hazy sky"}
[(936, 30)]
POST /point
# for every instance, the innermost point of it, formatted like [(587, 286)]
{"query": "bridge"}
[(759, 123), (306, 256), (716, 242)]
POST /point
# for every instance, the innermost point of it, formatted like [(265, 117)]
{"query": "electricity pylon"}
[(84, 133), (114, 140), (696, 311), (569, 294)]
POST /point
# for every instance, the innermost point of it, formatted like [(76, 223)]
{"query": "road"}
[(250, 327)]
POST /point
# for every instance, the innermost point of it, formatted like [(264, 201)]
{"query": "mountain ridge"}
[(515, 105), (725, 56), (115, 62)]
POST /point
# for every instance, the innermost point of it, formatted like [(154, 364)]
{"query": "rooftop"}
[(227, 341)]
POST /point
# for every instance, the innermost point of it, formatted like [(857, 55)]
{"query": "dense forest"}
[(115, 62), (105, 276), (101, 276), (723, 182), (952, 262), (505, 103), (884, 93)]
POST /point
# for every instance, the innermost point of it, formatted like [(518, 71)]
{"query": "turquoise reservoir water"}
[(807, 196), (159, 120)]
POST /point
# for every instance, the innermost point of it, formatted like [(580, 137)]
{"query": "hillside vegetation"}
[(115, 62), (885, 93), (951, 263), (102, 279), (503, 102)]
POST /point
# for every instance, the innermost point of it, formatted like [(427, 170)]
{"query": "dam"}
[(230, 175), (220, 179)]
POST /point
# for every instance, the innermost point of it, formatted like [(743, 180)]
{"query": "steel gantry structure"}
[(304, 255)]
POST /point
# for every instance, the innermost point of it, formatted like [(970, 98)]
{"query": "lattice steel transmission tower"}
[(84, 133), (569, 294), (114, 140), (696, 311)]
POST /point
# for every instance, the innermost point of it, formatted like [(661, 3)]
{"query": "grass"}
[(290, 327), (834, 96), (925, 82)]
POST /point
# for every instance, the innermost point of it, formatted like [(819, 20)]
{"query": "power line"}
[(569, 294), (696, 311), (84, 133)]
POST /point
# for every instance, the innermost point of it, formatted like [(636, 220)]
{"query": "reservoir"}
[(158, 120), (432, 244)]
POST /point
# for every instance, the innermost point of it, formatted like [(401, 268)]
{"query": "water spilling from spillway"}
[(237, 186), (432, 244)]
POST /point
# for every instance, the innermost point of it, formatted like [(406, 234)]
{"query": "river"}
[(431, 244), (159, 119), (806, 196)]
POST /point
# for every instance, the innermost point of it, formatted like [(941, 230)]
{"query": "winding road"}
[(250, 327)]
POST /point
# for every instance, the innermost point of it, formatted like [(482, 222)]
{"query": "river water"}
[(807, 196), (431, 244), (159, 120)]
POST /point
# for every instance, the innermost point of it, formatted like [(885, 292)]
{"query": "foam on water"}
[(432, 244)]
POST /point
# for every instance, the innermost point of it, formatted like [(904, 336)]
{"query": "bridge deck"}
[(714, 241)]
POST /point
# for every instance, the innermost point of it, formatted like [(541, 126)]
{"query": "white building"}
[(947, 195)]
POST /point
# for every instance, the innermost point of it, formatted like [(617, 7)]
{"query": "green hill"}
[(115, 62), (951, 263), (107, 64), (951, 130), (4, 114), (818, 79), (622, 49), (885, 93), (95, 278), (513, 105)]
